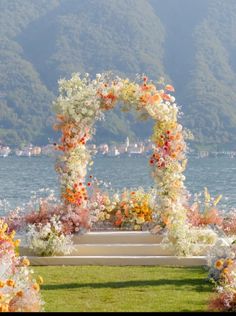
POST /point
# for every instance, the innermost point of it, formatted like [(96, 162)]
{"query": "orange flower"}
[(219, 264), (169, 87), (4, 308), (166, 97), (10, 283), (60, 117), (36, 287), (20, 293), (126, 212), (165, 219), (154, 99), (118, 222)]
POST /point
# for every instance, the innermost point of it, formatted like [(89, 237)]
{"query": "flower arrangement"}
[(19, 290), (45, 226), (72, 218), (222, 272), (82, 101), (229, 223), (203, 213), (49, 239), (128, 209)]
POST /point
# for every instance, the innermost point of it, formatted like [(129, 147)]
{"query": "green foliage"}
[(191, 43)]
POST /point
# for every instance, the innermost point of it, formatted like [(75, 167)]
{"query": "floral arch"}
[(82, 101)]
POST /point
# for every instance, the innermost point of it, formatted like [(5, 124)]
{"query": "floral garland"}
[(19, 291), (82, 101)]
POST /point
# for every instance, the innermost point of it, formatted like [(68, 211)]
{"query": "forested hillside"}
[(191, 43)]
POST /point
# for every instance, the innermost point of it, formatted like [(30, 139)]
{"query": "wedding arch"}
[(83, 101)]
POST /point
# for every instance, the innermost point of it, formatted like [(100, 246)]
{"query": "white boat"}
[(4, 151)]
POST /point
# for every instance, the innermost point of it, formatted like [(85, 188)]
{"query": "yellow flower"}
[(12, 234), (4, 227), (140, 220), (16, 242), (102, 216), (108, 216), (107, 202), (228, 261), (225, 271), (4, 308), (36, 287), (25, 262), (2, 284), (40, 280), (109, 209)]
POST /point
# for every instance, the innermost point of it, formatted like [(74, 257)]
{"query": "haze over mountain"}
[(191, 43)]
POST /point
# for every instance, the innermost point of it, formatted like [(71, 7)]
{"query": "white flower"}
[(48, 240)]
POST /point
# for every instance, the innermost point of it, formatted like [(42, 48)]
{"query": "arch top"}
[(83, 100)]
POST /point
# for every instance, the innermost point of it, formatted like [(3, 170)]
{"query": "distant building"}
[(4, 151), (113, 152), (103, 149), (135, 149), (122, 148), (127, 142), (36, 151)]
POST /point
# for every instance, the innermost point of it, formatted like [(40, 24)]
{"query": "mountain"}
[(190, 43)]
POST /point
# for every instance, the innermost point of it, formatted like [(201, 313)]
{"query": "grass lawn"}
[(123, 289)]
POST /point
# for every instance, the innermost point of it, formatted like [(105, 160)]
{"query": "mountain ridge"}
[(191, 44)]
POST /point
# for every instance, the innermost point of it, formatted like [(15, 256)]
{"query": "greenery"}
[(123, 289), (193, 49)]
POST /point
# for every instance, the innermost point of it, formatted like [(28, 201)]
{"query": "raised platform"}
[(120, 248)]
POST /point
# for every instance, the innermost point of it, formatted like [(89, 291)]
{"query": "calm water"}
[(21, 175)]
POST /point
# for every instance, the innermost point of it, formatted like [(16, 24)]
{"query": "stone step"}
[(119, 261), (122, 250), (120, 237)]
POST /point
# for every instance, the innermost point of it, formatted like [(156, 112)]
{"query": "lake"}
[(19, 176)]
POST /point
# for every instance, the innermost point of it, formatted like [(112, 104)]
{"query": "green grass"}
[(123, 289)]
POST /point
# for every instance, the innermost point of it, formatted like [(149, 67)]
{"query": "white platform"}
[(119, 248)]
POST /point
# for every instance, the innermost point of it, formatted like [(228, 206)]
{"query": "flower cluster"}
[(82, 101), (229, 223), (205, 213), (222, 272), (19, 290), (48, 239), (128, 209)]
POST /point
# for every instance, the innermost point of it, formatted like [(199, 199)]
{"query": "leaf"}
[(207, 195), (217, 200)]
